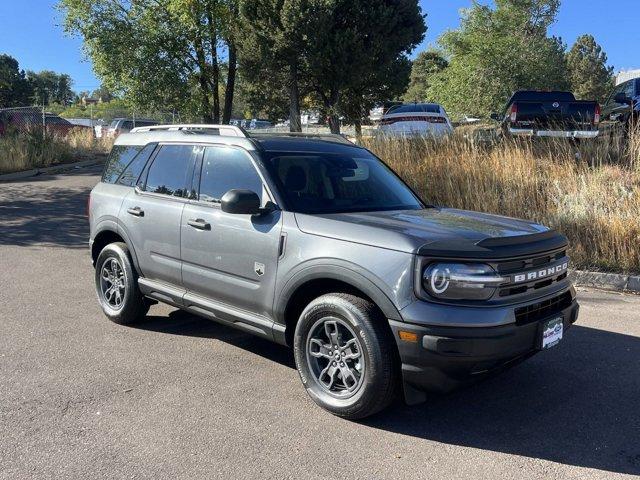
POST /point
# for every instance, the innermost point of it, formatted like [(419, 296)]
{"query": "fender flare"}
[(334, 269)]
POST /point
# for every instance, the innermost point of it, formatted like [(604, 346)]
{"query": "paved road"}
[(180, 397)]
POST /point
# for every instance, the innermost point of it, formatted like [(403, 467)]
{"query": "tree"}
[(497, 51), (15, 89), (423, 68), (160, 53), (273, 46), (351, 42), (51, 87), (103, 94), (590, 77)]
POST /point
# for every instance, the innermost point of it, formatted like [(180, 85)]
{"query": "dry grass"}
[(25, 151), (593, 198)]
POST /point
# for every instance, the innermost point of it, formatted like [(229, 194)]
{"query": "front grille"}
[(544, 309), (511, 267)]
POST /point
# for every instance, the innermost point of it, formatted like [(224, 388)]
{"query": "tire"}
[(369, 383), (124, 304)]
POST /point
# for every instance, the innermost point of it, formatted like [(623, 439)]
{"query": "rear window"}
[(130, 175), (120, 157), (415, 108), (543, 97)]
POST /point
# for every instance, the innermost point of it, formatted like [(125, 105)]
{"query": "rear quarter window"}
[(119, 158), (130, 175)]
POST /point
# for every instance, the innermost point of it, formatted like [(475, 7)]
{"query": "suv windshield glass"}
[(337, 182)]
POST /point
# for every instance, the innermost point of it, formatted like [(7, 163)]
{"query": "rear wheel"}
[(345, 355), (117, 285)]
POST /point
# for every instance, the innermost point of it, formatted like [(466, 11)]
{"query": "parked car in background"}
[(377, 112), (32, 119), (534, 113), (416, 119), (125, 125), (621, 109)]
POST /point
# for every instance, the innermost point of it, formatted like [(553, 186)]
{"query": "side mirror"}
[(496, 116), (241, 202), (622, 98)]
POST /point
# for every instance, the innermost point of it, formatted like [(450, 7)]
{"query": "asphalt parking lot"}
[(181, 397)]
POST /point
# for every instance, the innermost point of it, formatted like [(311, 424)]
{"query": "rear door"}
[(230, 258), (151, 213)]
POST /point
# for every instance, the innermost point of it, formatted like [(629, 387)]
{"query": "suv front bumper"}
[(446, 357)]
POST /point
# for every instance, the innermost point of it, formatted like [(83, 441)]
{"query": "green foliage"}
[(425, 65), (51, 87), (15, 89), (106, 111), (497, 51), (163, 54), (590, 77)]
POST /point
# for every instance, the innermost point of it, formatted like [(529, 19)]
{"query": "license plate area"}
[(551, 332)]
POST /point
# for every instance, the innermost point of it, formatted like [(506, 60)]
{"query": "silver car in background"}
[(426, 119)]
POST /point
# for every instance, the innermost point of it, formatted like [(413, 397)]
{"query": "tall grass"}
[(589, 192), (28, 150)]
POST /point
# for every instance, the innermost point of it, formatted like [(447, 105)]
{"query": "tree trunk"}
[(331, 104), (294, 100), (231, 83), (357, 123), (216, 84), (334, 123)]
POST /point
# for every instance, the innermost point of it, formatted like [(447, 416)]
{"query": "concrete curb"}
[(48, 170), (606, 281)]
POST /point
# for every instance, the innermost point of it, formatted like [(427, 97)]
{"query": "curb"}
[(47, 170), (606, 281)]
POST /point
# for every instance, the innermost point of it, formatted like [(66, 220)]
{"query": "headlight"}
[(461, 281)]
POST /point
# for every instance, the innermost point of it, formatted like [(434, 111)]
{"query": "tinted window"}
[(224, 169), (126, 125), (119, 158), (135, 167), (170, 171), (415, 108), (333, 183)]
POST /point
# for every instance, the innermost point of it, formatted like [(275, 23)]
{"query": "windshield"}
[(337, 182), (415, 108)]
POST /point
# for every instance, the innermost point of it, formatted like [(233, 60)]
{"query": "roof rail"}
[(223, 130), (329, 137)]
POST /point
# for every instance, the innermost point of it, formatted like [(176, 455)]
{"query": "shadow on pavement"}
[(44, 212), (577, 404), (183, 323)]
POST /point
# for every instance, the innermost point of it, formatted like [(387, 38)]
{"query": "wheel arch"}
[(111, 234), (316, 281)]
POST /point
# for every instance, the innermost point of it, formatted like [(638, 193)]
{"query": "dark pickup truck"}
[(621, 109), (549, 114)]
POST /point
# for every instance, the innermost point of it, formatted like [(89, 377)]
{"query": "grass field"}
[(593, 197), (30, 150)]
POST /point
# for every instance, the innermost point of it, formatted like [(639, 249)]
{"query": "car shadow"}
[(184, 323), (576, 404)]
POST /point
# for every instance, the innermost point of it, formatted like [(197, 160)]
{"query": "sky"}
[(32, 33)]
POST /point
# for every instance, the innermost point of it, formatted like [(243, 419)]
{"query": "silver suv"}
[(315, 243)]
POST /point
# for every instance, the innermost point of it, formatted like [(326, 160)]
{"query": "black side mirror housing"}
[(622, 99), (241, 202), (496, 116)]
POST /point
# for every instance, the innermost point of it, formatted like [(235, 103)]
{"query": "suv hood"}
[(435, 231)]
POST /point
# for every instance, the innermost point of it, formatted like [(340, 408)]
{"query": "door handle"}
[(136, 212), (199, 224)]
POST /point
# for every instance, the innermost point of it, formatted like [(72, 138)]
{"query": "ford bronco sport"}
[(314, 243)]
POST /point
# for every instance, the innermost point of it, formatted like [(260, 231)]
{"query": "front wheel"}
[(117, 285), (345, 355)]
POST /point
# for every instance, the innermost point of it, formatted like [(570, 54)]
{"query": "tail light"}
[(596, 116), (514, 112)]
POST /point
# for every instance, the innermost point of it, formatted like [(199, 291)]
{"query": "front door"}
[(151, 213), (230, 259)]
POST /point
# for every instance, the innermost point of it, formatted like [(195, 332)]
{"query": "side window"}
[(135, 167), (628, 89), (126, 125), (224, 169), (119, 158), (171, 170)]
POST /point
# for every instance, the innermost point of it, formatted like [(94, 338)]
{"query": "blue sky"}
[(31, 32)]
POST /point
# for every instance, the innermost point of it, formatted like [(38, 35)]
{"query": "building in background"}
[(625, 75)]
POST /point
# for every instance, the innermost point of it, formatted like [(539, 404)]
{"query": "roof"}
[(231, 135)]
